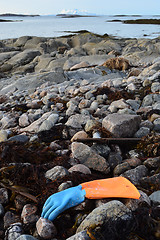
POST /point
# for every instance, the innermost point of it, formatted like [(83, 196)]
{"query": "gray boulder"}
[(109, 221), (121, 125), (88, 157)]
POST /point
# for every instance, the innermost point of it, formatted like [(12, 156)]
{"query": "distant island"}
[(63, 15), (138, 21), (17, 15), (134, 15), (142, 21), (7, 20)]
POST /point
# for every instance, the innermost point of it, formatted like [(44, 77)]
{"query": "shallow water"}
[(52, 26)]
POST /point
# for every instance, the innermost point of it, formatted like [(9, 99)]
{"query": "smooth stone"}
[(3, 135), (112, 219), (84, 103), (134, 104), (10, 218), (14, 231), (88, 157), (65, 185), (24, 120), (92, 125), (26, 237), (136, 174), (119, 104), (19, 138), (133, 204), (94, 105), (29, 214), (8, 122), (80, 168), (56, 173), (157, 125), (121, 125), (152, 163), (34, 127), (1, 210), (77, 120), (4, 198), (155, 197), (121, 168), (46, 228), (79, 135), (155, 87), (49, 122), (114, 159), (143, 131), (101, 149), (147, 124), (80, 236)]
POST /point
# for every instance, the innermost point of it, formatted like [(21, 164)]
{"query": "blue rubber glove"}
[(59, 202)]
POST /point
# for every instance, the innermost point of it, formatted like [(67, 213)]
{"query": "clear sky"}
[(105, 7)]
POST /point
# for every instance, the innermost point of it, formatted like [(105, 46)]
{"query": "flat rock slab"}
[(121, 125)]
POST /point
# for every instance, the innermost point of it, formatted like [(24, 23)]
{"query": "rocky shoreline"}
[(57, 93)]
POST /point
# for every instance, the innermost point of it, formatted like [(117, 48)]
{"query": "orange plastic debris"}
[(118, 187)]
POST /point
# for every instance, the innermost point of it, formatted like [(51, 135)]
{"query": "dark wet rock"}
[(133, 204), (4, 198), (10, 218), (155, 197), (133, 162), (112, 220), (143, 131), (88, 157), (121, 168), (65, 185), (152, 163), (151, 183), (56, 172), (20, 202), (19, 138), (1, 210), (101, 149), (28, 214), (80, 168), (114, 159), (14, 231), (46, 228), (135, 175), (121, 125)]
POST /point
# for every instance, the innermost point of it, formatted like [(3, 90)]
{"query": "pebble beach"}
[(60, 98)]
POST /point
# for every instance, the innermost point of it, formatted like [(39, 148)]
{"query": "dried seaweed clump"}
[(150, 145), (118, 63)]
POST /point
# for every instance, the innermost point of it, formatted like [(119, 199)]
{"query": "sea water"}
[(54, 26)]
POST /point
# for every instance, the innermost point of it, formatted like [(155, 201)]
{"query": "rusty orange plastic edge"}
[(117, 187)]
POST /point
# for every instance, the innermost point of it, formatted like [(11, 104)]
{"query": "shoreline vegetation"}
[(138, 21)]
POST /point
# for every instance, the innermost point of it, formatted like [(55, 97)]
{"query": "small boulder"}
[(121, 125), (46, 228)]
